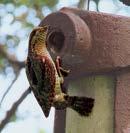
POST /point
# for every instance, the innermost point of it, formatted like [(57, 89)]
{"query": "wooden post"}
[(96, 48)]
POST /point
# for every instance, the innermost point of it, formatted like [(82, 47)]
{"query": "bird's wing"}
[(45, 75), (49, 84), (41, 76), (30, 73)]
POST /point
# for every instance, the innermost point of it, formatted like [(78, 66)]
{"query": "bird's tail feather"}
[(82, 105)]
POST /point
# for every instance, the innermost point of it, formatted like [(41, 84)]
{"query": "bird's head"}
[(38, 35)]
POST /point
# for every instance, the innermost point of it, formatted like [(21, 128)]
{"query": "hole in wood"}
[(56, 41)]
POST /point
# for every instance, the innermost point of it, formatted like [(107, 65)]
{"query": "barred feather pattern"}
[(42, 79), (45, 81)]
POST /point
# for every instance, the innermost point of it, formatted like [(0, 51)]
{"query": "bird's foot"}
[(61, 71)]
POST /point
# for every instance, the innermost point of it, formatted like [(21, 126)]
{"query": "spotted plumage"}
[(46, 77)]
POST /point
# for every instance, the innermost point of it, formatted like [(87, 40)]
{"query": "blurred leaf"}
[(41, 131), (31, 3), (2, 65), (15, 38)]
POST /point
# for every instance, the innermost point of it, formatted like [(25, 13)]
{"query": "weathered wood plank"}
[(102, 118), (122, 103)]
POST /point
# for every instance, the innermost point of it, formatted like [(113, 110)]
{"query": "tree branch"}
[(88, 2), (8, 89), (11, 58), (126, 2), (13, 109)]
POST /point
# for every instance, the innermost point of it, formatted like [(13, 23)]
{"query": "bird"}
[(46, 77)]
